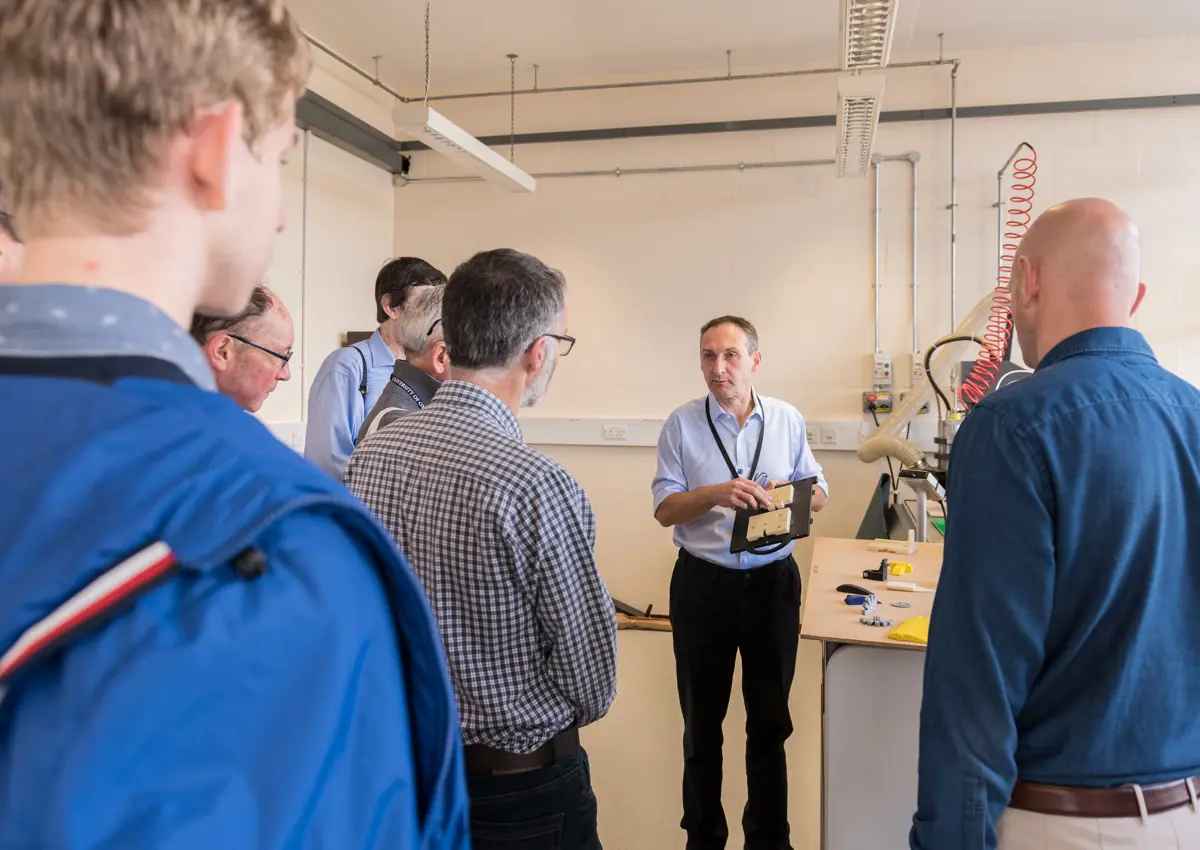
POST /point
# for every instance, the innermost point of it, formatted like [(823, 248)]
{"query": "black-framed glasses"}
[(9, 225), (433, 327), (565, 343), (283, 357)]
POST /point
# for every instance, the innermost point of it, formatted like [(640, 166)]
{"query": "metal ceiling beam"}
[(326, 120), (806, 121), (337, 126)]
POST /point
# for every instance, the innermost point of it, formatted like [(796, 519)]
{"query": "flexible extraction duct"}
[(888, 439)]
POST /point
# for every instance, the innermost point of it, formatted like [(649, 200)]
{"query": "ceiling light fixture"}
[(860, 97), (867, 28), (439, 133)]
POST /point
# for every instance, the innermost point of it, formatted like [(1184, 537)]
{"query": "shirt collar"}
[(379, 352), (461, 394), (1098, 341), (719, 412), (50, 320), (425, 385)]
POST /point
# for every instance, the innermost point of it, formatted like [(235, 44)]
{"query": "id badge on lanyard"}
[(733, 473)]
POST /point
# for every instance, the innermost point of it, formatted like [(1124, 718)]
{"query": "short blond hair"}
[(94, 89)]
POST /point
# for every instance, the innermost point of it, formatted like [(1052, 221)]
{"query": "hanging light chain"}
[(512, 116), (427, 53)]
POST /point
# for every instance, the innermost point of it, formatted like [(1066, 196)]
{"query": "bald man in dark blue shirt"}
[(1062, 682)]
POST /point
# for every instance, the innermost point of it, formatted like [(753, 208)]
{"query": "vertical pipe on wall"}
[(875, 164), (304, 281), (953, 197), (915, 158)]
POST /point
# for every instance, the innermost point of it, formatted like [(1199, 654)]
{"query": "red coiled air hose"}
[(999, 325)]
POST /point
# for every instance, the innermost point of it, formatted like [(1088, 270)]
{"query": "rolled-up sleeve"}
[(987, 633), (806, 464), (669, 478)]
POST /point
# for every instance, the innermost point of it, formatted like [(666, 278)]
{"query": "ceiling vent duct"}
[(860, 97), (867, 28), (439, 133)]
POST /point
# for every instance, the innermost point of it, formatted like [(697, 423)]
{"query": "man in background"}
[(502, 537), (249, 353), (1061, 680), (426, 363), (204, 642), (352, 378), (11, 249), (715, 454)]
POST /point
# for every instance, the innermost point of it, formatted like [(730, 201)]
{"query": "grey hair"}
[(737, 321), (421, 313), (205, 328), (497, 304)]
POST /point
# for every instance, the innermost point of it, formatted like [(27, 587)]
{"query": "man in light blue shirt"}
[(715, 454), (351, 379)]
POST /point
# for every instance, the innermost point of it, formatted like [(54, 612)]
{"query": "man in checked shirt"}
[(502, 538)]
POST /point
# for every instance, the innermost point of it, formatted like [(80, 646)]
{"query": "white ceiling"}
[(579, 41)]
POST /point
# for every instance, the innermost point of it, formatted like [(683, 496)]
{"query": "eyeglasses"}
[(433, 327), (9, 225), (283, 357), (565, 343)]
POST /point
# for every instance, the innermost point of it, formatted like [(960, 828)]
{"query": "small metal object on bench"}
[(875, 621)]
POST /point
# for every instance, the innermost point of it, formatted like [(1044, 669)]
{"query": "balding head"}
[(1076, 268)]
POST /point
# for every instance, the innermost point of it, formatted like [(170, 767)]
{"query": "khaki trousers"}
[(1178, 829)]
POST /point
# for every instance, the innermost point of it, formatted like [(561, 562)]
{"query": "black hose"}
[(929, 355)]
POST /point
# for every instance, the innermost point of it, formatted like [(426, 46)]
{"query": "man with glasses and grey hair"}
[(426, 362), (249, 353), (12, 250), (502, 537)]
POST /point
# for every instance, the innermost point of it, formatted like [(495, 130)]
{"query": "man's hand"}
[(777, 482), (738, 493)]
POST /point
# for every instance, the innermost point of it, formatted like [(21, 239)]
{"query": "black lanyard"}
[(758, 449), (411, 392)]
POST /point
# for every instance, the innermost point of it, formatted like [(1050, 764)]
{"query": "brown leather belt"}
[(481, 757), (1101, 802)]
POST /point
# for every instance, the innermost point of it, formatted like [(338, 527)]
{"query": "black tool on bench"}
[(879, 574)]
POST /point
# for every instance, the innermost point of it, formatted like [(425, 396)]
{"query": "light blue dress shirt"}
[(688, 458), (51, 320), (335, 406)]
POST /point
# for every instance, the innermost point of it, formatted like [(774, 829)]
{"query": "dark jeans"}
[(552, 808), (715, 613)]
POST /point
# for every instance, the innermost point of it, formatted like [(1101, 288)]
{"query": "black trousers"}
[(552, 808), (715, 613)]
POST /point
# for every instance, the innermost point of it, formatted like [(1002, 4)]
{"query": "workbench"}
[(870, 694)]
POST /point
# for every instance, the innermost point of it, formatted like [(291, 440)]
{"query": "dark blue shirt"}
[(1062, 648)]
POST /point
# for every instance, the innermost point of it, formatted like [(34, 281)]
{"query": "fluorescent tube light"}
[(867, 28), (860, 97), (447, 138)]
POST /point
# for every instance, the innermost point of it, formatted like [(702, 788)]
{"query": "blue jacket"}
[(309, 707)]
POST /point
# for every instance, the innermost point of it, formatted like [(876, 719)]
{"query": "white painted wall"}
[(650, 258), (351, 228)]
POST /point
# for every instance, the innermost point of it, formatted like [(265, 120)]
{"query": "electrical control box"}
[(883, 374), (879, 401), (918, 367)]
